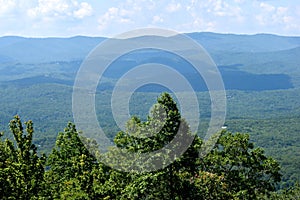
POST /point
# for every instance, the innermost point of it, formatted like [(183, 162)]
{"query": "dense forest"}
[(271, 118), (233, 169)]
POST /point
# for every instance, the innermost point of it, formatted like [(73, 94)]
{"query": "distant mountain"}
[(25, 82), (244, 43), (246, 62), (281, 61), (34, 50), (30, 50)]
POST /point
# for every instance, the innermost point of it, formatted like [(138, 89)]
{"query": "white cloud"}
[(114, 15), (282, 19), (129, 14), (173, 7), (108, 16), (267, 7), (203, 25), (266, 11), (190, 6), (239, 1), (84, 10), (157, 19), (49, 17), (221, 8), (281, 15), (260, 19), (198, 24), (6, 6), (271, 15), (49, 8), (60, 8)]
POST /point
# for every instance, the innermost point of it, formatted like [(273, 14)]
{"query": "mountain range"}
[(246, 62)]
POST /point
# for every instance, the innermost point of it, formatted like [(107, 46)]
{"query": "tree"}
[(71, 166), (140, 137), (233, 168), (246, 171), (290, 193), (21, 169)]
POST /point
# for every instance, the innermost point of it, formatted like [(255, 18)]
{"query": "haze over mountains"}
[(247, 62), (16, 48)]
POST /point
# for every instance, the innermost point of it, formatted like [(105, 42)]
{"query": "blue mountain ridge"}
[(246, 62)]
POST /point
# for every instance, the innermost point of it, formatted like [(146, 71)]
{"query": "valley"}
[(261, 74)]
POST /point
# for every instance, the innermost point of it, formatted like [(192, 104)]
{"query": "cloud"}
[(239, 1), (267, 7), (49, 8), (221, 8), (271, 15), (157, 19), (198, 24), (204, 25), (60, 9), (114, 15), (129, 14), (50, 17), (278, 18), (281, 15), (6, 6), (173, 7), (84, 10)]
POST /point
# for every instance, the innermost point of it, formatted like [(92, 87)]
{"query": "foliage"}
[(234, 169), (71, 167), (280, 140), (270, 117), (39, 88), (291, 193), (22, 170), (246, 171)]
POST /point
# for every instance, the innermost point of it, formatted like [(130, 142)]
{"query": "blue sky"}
[(64, 18)]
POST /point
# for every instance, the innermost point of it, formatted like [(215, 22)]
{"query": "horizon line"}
[(193, 32)]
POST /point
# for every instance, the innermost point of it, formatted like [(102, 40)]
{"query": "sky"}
[(65, 18)]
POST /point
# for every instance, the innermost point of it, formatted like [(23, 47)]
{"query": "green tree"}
[(140, 137), (246, 171), (21, 169), (233, 168), (290, 193), (72, 167)]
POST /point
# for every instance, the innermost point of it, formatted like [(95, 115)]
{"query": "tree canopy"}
[(233, 169)]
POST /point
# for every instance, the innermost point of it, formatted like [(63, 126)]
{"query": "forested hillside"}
[(234, 168), (261, 74)]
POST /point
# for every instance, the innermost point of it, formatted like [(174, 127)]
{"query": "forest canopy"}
[(233, 169)]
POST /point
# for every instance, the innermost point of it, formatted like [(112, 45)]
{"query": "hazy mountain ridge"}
[(262, 58), (245, 43), (66, 49), (33, 50)]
